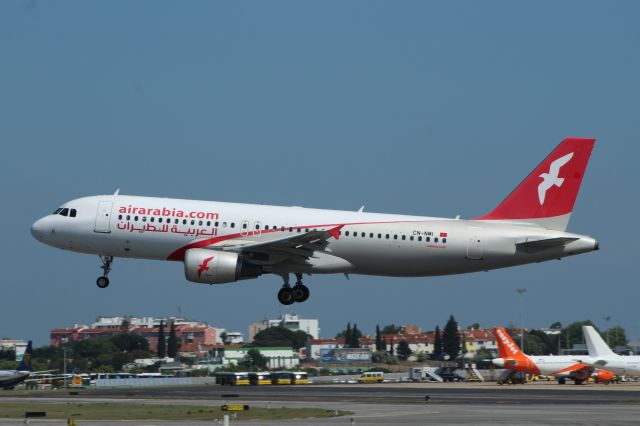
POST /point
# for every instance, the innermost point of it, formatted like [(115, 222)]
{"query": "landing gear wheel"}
[(285, 296), (300, 292), (102, 282)]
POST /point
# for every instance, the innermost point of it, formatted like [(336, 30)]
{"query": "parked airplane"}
[(563, 367), (601, 356), (224, 242), (10, 378)]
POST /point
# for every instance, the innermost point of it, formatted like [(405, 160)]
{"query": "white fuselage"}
[(619, 364), (369, 243)]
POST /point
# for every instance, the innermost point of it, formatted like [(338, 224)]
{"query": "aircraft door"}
[(474, 244), (103, 217), (257, 227)]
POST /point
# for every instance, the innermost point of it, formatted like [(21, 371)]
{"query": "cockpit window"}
[(64, 212), (73, 213), (58, 210)]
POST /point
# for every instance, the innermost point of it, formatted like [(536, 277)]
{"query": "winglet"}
[(335, 232)]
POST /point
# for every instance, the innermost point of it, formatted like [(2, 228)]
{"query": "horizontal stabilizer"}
[(546, 243)]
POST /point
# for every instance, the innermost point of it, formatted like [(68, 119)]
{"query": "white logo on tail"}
[(550, 179), (508, 342)]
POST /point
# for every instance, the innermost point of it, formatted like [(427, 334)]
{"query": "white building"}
[(233, 338), (291, 321)]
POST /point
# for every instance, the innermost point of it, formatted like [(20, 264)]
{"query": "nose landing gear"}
[(288, 295), (103, 281)]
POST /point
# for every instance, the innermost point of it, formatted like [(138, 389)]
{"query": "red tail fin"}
[(548, 194), (507, 348)]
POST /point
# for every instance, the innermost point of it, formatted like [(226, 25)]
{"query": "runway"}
[(402, 404)]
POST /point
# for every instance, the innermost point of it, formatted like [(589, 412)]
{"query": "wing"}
[(554, 169), (295, 248), (577, 370)]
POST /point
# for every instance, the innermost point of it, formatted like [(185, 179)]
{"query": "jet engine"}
[(603, 376), (217, 267)]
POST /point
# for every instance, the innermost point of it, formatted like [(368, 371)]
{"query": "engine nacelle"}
[(217, 267)]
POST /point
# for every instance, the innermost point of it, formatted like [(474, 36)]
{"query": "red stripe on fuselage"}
[(179, 254)]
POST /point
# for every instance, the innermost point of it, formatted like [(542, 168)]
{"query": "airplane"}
[(10, 378), (563, 367), (222, 243), (601, 356)]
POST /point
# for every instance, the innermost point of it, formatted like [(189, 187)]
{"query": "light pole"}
[(606, 318), (520, 292)]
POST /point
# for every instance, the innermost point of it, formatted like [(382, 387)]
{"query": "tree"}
[(172, 342), (572, 334), (254, 360), (535, 344), (129, 342), (403, 350), (474, 326), (437, 344), (548, 341), (280, 336), (162, 343), (380, 346), (451, 338), (355, 337), (391, 329), (615, 336)]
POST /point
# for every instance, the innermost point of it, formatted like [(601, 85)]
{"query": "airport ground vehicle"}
[(260, 378), (233, 379), (371, 377), (300, 378), (282, 378), (221, 243)]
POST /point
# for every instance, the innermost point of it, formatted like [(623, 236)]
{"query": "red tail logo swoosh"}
[(203, 266)]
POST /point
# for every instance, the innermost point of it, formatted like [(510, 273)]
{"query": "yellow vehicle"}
[(300, 378), (282, 378), (260, 378), (233, 379), (371, 377)]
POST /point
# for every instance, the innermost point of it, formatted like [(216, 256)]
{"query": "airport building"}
[(194, 336), (291, 321)]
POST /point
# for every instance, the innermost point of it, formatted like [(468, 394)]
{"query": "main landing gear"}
[(103, 281), (289, 295)]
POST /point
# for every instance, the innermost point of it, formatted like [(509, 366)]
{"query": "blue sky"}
[(407, 107)]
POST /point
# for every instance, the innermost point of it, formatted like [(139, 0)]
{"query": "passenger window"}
[(176, 221), (128, 217), (72, 213), (266, 227), (411, 238), (233, 224), (355, 234), (435, 240), (208, 223), (299, 230), (395, 237), (135, 218), (444, 240), (216, 224), (184, 221), (244, 226), (346, 233), (290, 229), (387, 236), (363, 235), (152, 219), (306, 230), (224, 224), (119, 217), (193, 222), (404, 238), (200, 222), (371, 235), (428, 239), (282, 228), (144, 218), (379, 235), (257, 226), (419, 238), (274, 227), (64, 212)]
